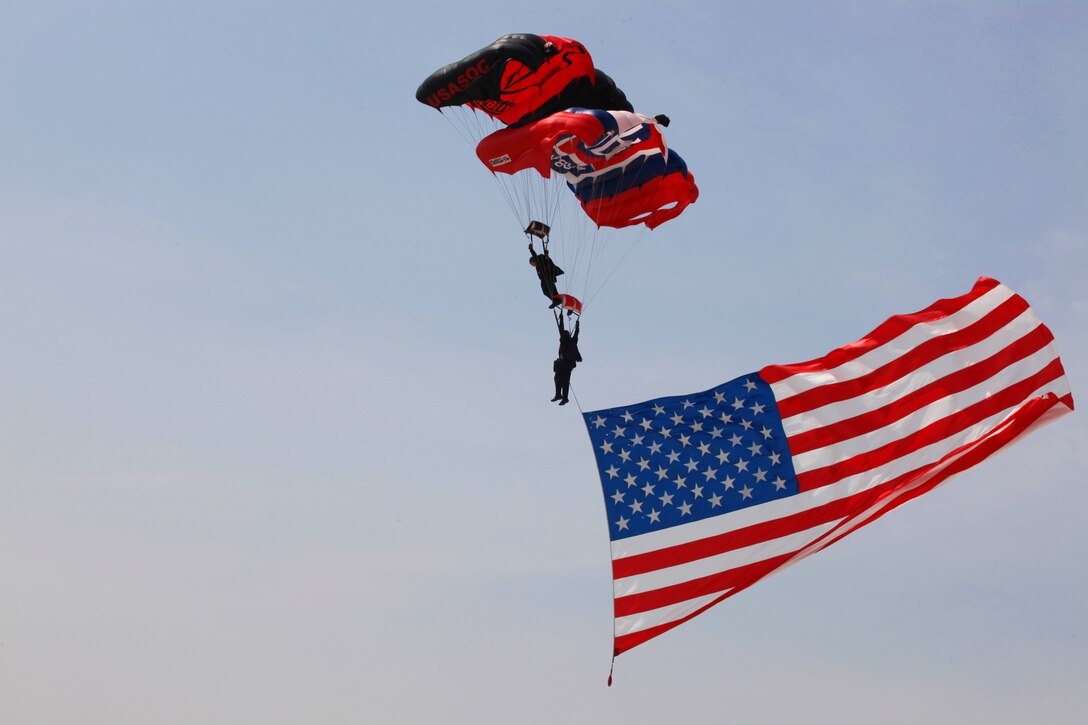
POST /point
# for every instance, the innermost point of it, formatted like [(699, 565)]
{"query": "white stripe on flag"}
[(664, 615), (912, 379), (895, 348), (710, 565), (908, 426)]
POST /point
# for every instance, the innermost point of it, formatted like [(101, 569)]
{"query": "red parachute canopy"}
[(524, 89), (521, 78)]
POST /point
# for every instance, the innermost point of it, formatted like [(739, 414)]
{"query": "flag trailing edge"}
[(708, 493)]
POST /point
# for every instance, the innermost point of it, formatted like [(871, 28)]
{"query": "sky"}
[(275, 439)]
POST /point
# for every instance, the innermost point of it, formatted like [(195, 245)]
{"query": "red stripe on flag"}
[(698, 587), (892, 328), (747, 536), (953, 383), (932, 433), (911, 360), (624, 642), (965, 457)]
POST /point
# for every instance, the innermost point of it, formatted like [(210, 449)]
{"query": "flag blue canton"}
[(671, 461)]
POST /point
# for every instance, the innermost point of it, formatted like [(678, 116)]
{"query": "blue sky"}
[(275, 442)]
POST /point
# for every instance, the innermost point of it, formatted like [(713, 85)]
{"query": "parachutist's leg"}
[(564, 384), (552, 292)]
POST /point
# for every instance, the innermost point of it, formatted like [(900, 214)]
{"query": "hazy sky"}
[(275, 439)]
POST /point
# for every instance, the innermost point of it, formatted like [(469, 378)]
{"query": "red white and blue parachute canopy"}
[(522, 78), (567, 141), (615, 162)]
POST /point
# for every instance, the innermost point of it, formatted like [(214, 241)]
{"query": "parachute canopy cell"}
[(521, 78)]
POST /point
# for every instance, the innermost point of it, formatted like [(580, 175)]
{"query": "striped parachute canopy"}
[(615, 162)]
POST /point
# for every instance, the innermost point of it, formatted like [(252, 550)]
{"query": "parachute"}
[(580, 170), (615, 162), (522, 78)]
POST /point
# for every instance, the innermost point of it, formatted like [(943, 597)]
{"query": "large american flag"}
[(708, 493)]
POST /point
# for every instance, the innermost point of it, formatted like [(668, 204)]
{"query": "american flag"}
[(708, 493)]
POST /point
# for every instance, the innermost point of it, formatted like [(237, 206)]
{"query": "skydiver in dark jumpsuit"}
[(548, 271), (568, 359)]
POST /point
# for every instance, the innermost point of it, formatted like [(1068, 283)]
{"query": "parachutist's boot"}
[(564, 401), (557, 397)]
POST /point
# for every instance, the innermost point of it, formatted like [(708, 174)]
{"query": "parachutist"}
[(548, 271), (567, 360), (661, 119)]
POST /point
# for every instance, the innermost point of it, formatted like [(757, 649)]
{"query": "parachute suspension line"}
[(566, 235), (460, 128), (599, 248), (626, 252), (592, 252), (472, 127), (608, 206), (589, 254), (578, 240), (535, 195), (507, 187), (599, 243)]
